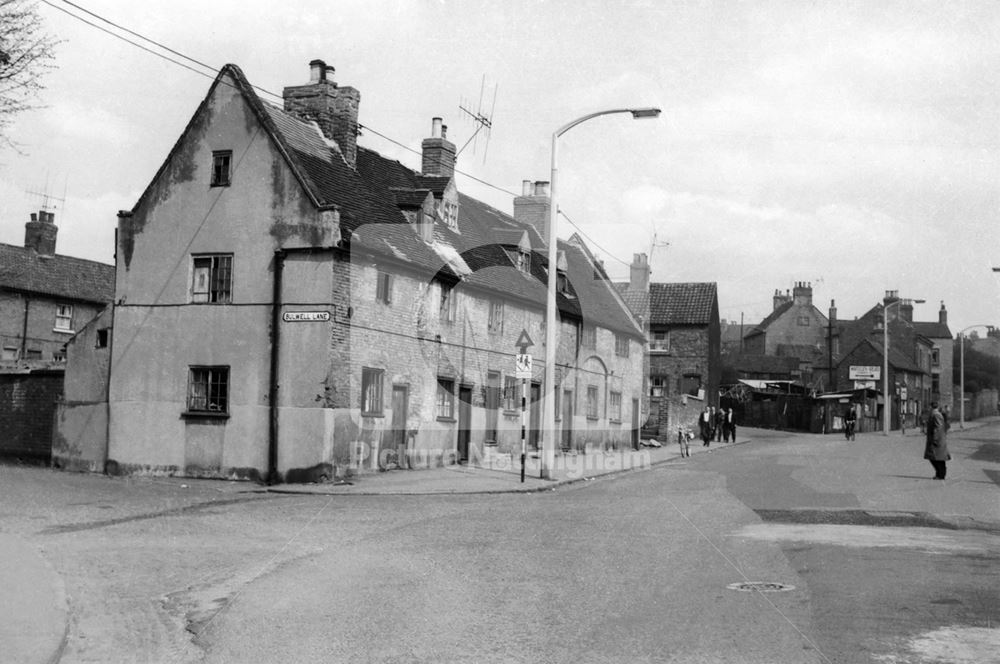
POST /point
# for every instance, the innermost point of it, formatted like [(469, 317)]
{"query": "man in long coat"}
[(936, 449)]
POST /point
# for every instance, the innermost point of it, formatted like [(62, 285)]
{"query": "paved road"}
[(881, 564), (884, 565)]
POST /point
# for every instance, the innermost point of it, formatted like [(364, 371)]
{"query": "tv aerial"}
[(482, 121), (46, 198)]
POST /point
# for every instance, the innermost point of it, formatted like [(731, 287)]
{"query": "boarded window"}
[(212, 279)]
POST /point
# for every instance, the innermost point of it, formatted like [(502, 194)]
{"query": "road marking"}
[(931, 540), (950, 645)]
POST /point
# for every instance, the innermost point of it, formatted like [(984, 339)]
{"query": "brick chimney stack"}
[(438, 151), (803, 293), (532, 207), (639, 277), (780, 299), (40, 233), (943, 314), (833, 311), (906, 310), (333, 108)]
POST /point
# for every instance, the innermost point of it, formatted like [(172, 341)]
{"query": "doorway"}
[(394, 445), (464, 422), (635, 424), (534, 404), (567, 420)]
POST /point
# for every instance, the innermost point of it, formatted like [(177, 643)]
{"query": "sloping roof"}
[(771, 317), (368, 198), (897, 359), (689, 303), (58, 276), (932, 330)]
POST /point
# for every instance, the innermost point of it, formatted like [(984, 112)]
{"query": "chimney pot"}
[(317, 71), (435, 127), (526, 187), (541, 188), (444, 132)]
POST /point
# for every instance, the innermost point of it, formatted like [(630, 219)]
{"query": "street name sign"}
[(305, 316)]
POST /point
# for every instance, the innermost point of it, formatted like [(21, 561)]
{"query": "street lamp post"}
[(549, 416), (886, 408), (961, 378)]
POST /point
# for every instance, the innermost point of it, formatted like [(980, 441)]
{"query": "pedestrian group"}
[(718, 424)]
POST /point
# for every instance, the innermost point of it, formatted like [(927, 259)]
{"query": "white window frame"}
[(445, 398), (211, 278), (495, 322), (64, 318), (615, 406), (621, 345)]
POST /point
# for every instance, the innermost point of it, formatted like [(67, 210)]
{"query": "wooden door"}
[(394, 444), (464, 422), (567, 420)]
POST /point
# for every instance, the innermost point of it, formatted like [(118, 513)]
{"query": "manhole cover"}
[(760, 586)]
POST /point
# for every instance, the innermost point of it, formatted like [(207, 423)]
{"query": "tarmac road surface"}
[(846, 552)]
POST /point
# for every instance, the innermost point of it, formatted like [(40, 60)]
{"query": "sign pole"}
[(522, 370), (524, 402)]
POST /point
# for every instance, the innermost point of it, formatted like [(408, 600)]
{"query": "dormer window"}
[(449, 214), (521, 260)]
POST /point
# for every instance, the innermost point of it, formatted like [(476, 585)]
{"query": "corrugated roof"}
[(59, 276), (690, 303)]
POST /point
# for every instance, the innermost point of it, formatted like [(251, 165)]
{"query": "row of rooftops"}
[(37, 269)]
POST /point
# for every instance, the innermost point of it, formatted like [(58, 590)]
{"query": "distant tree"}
[(982, 370), (26, 53)]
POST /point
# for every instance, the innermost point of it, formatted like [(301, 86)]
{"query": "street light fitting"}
[(548, 443), (639, 113)]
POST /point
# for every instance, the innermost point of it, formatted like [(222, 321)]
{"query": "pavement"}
[(503, 474), (34, 613)]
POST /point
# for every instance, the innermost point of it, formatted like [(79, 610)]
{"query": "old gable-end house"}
[(290, 305), (683, 353)]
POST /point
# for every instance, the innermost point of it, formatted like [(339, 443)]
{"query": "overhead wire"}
[(213, 75)]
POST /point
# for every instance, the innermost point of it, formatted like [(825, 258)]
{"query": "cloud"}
[(95, 124)]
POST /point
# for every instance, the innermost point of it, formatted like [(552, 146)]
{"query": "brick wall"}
[(27, 410), (43, 342)]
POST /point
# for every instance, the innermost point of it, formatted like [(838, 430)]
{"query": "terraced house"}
[(291, 305)]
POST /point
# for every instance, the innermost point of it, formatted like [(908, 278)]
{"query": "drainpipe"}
[(24, 330), (272, 446)]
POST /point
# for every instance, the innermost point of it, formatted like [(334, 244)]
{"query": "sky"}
[(851, 145)]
